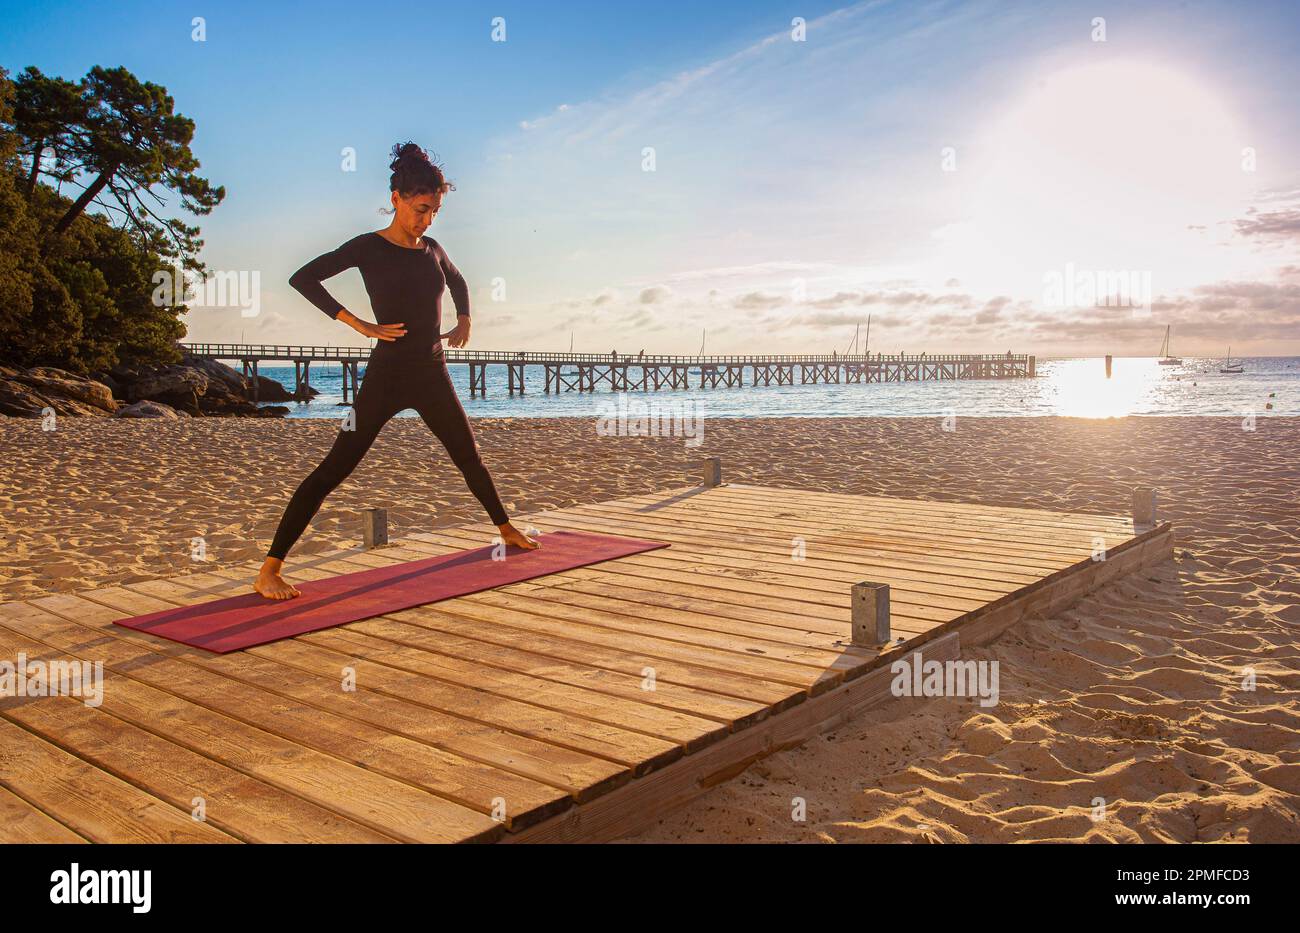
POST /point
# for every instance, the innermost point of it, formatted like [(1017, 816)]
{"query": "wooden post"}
[(870, 614), (713, 471), (374, 528), (1033, 367), (1108, 362), (1144, 506)]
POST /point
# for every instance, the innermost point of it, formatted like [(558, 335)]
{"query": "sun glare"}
[(1109, 166)]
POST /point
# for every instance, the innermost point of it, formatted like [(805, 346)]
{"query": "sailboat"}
[(1165, 358), (1229, 366), (704, 333)]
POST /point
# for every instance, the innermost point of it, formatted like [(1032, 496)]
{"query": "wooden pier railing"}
[(584, 372)]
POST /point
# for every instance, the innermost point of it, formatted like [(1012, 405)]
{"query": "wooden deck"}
[(578, 706)]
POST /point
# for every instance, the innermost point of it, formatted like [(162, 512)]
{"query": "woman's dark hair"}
[(415, 173)]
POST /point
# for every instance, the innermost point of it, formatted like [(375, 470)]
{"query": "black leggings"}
[(386, 390)]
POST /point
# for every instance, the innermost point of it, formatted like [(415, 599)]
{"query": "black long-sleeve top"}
[(405, 285)]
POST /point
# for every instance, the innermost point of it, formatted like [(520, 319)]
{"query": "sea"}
[(1069, 387)]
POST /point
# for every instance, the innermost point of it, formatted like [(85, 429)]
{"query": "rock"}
[(157, 382), (20, 400), (70, 406), (113, 385), (58, 383), (268, 390), (148, 409), (195, 388), (217, 371), (26, 393)]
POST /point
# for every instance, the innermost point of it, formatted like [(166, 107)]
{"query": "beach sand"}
[(1134, 696)]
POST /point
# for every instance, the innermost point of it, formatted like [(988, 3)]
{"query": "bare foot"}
[(512, 535), (271, 585)]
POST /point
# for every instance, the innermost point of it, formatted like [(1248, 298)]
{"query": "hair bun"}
[(406, 153), (415, 172)]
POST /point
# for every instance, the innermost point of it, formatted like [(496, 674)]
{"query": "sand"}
[(1135, 695)]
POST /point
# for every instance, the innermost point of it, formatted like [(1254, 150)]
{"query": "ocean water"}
[(1072, 387)]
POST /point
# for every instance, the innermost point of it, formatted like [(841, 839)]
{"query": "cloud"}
[(1272, 225), (654, 294), (752, 300)]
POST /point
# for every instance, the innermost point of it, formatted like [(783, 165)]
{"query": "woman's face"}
[(414, 214)]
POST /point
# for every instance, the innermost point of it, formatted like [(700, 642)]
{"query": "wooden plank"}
[(461, 780), (634, 807), (578, 774), (723, 652), (1063, 588), (741, 683), (605, 672), (813, 563), (710, 614), (750, 692), (1053, 594), (948, 559), (630, 686), (1018, 539), (824, 503), (811, 574), (22, 823), (576, 703), (997, 546), (712, 620), (1023, 527), (246, 809), (102, 807), (389, 806)]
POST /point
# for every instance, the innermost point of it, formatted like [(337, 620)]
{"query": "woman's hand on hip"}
[(459, 335), (389, 332)]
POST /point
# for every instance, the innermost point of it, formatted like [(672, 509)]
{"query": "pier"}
[(587, 372)]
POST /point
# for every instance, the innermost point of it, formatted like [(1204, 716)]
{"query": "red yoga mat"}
[(237, 622)]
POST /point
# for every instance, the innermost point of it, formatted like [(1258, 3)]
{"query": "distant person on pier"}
[(405, 275)]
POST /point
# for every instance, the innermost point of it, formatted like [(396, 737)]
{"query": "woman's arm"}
[(307, 280), (455, 282)]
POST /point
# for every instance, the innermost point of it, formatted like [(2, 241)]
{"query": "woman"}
[(405, 274)]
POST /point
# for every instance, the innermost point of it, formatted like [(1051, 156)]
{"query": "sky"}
[(748, 177)]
